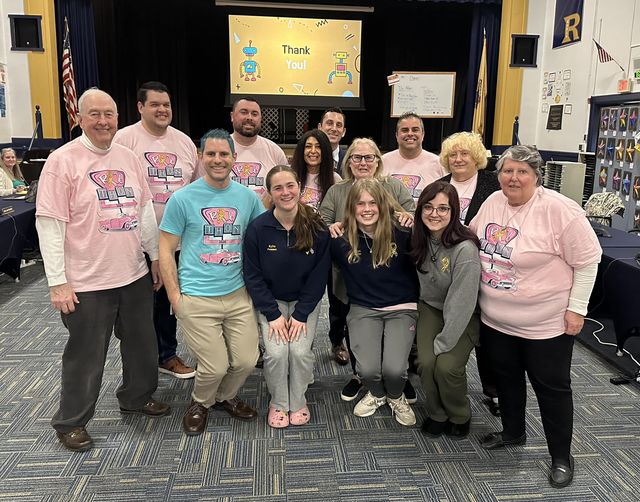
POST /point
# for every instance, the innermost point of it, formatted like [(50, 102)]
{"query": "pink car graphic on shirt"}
[(162, 197), (222, 257), (125, 223), (497, 279)]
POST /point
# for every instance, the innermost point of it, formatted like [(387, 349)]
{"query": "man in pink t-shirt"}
[(170, 161), (94, 219), (256, 155), (412, 165)]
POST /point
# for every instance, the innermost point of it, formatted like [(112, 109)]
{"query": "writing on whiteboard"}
[(428, 94)]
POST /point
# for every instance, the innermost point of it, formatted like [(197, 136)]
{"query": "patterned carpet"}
[(336, 457)]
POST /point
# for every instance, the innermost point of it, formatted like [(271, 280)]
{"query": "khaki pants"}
[(444, 377), (222, 334)]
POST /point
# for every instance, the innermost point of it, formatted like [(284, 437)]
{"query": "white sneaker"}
[(402, 411), (368, 405)]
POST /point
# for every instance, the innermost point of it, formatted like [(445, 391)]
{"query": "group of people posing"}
[(241, 247)]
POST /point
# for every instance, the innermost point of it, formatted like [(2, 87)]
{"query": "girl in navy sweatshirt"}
[(382, 288), (285, 266)]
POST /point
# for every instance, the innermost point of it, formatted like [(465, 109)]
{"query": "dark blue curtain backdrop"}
[(185, 45), (79, 14), (485, 17)]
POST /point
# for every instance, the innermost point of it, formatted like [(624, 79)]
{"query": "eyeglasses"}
[(367, 158), (441, 210)]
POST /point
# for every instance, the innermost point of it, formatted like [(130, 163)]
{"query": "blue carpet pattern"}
[(336, 457)]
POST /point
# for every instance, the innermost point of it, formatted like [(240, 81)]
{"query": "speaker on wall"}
[(524, 49), (26, 33)]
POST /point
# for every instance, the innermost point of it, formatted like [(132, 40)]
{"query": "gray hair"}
[(93, 91), (523, 153)]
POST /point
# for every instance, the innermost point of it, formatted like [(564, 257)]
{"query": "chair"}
[(601, 207)]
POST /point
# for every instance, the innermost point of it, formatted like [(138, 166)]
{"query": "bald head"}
[(98, 117)]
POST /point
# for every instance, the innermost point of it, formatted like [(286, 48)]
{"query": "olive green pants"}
[(444, 377)]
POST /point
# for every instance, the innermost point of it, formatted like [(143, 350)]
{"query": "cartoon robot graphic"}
[(341, 67), (249, 67)]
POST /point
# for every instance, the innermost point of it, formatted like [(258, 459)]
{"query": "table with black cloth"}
[(615, 300), (17, 232)]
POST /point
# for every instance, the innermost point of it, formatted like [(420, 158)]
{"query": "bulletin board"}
[(427, 94)]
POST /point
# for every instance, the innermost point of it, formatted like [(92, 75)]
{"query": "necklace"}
[(434, 252), (504, 212), (468, 183), (367, 243)]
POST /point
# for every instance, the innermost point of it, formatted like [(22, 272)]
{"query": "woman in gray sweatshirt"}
[(446, 255)]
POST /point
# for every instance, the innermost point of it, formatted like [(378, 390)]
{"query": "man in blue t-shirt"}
[(208, 218)]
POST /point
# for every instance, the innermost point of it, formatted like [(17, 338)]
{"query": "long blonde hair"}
[(15, 172), (384, 247)]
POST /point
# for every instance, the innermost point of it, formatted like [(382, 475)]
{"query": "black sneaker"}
[(351, 390), (410, 392)]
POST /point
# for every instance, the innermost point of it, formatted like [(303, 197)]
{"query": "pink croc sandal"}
[(277, 419), (300, 417)]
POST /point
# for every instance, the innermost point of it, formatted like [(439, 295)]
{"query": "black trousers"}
[(164, 321), (338, 330), (547, 363), (485, 370), (127, 312)]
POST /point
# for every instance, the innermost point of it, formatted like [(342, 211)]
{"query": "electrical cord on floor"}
[(594, 333)]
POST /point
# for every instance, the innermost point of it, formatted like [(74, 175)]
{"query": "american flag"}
[(68, 81), (603, 55)]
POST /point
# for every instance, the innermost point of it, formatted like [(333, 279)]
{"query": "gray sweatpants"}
[(381, 341), (288, 367)]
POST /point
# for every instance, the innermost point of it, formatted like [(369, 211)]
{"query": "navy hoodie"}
[(274, 270), (383, 286)]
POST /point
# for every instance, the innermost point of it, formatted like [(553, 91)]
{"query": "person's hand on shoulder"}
[(336, 230), (405, 218)]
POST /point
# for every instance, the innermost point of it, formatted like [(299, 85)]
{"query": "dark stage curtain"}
[(144, 40), (83, 49), (485, 17), (185, 45)]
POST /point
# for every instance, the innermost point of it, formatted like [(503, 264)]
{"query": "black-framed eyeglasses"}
[(441, 210), (367, 158)]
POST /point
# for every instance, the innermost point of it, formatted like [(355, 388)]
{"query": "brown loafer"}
[(194, 421), (340, 354), (77, 439), (151, 409), (239, 409)]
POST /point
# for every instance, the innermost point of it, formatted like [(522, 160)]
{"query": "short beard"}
[(255, 132)]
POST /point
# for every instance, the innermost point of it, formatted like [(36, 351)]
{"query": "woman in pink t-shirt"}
[(313, 163), (539, 259)]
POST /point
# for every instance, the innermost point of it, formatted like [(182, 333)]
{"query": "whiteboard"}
[(427, 94)]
